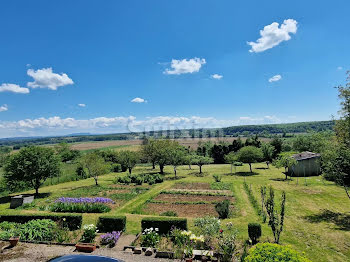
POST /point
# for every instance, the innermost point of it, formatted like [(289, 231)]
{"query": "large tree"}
[(32, 166), (249, 155), (201, 161), (128, 159), (162, 149), (231, 158), (148, 151), (285, 160), (268, 151), (177, 156), (66, 153), (95, 165)]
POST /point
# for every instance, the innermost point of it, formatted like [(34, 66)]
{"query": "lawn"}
[(317, 217)]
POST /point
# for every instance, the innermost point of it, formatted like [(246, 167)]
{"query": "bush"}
[(124, 180), (169, 213), (165, 225), (208, 226), (266, 252), (116, 168), (38, 230), (71, 221), (150, 237), (223, 209), (110, 239), (111, 223), (89, 234), (254, 232), (217, 178), (79, 208), (139, 180)]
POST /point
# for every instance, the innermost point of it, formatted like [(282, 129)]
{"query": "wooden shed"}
[(308, 165)]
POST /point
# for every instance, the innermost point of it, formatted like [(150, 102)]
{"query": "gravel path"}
[(24, 252)]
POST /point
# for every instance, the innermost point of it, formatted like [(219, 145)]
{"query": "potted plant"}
[(13, 241), (87, 240)]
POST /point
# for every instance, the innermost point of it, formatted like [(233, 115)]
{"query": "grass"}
[(317, 218)]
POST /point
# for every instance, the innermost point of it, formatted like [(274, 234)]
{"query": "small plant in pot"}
[(87, 241), (14, 241)]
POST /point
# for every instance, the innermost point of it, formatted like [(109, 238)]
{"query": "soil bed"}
[(171, 198), (183, 210), (191, 186)]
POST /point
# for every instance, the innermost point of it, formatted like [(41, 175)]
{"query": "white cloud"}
[(275, 78), (45, 78), (3, 108), (138, 100), (82, 105), (273, 34), (217, 76), (340, 68), (185, 66), (60, 126), (13, 88)]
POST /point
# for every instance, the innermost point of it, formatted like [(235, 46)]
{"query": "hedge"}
[(111, 223), (73, 222), (165, 225)]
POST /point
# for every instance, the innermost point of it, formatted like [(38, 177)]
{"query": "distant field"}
[(134, 144)]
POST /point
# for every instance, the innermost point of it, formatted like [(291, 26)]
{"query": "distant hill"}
[(246, 130)]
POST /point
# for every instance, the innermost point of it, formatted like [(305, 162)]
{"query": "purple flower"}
[(110, 239), (84, 200)]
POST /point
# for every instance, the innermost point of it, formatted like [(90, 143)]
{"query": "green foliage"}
[(111, 223), (79, 207), (267, 252), (223, 209), (208, 226), (268, 151), (285, 160), (221, 186), (65, 152), (276, 220), (31, 166), (38, 230), (254, 232), (116, 168), (169, 213), (95, 165), (227, 243), (89, 233), (139, 179), (202, 160), (254, 202), (217, 178), (73, 222), (249, 155), (150, 237), (128, 159), (165, 225), (80, 172)]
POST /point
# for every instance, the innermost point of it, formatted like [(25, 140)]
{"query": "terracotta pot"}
[(13, 241), (188, 259), (85, 247)]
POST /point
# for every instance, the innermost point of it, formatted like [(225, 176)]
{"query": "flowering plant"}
[(110, 239), (84, 200), (150, 237), (187, 241), (81, 205), (89, 233), (227, 242)]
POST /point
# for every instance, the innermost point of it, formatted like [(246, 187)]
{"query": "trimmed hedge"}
[(111, 223), (73, 222), (164, 224)]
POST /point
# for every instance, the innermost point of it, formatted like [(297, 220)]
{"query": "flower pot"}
[(85, 247), (13, 241), (188, 259)]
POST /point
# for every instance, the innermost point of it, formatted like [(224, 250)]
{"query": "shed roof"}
[(305, 155)]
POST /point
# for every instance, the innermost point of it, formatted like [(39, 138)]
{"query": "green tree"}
[(231, 158), (177, 156), (277, 143), (148, 151), (162, 149), (276, 220), (201, 161), (128, 159), (249, 155), (285, 160), (4, 154), (268, 151), (95, 165), (32, 165), (65, 152)]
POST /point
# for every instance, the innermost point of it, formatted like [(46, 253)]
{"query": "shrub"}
[(71, 221), (208, 226), (169, 213), (150, 237), (139, 180), (227, 243), (217, 178), (38, 230), (89, 234), (110, 239), (254, 232), (223, 209), (116, 168), (165, 225), (266, 252), (124, 180), (111, 223)]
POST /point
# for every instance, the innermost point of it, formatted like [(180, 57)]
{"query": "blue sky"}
[(76, 66)]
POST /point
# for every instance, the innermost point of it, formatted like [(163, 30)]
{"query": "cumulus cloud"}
[(45, 78), (275, 78), (273, 34), (217, 76), (82, 105), (59, 126), (185, 66), (138, 100), (13, 88), (3, 108)]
